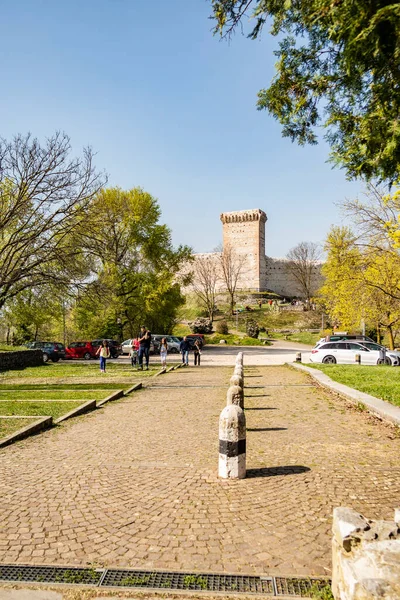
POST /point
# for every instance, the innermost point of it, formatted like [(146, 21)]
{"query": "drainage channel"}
[(130, 578)]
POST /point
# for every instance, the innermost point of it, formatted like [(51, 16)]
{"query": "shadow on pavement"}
[(267, 429), (276, 471), (260, 407)]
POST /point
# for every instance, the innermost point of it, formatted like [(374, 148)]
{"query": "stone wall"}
[(20, 359), (280, 281), (365, 557)]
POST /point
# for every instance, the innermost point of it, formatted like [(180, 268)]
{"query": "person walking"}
[(163, 352), (104, 352), (197, 346), (144, 347), (184, 348)]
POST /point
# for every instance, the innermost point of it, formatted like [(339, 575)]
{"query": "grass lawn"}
[(233, 340), (303, 337), (65, 394), (8, 426), (32, 408), (83, 369), (380, 381)]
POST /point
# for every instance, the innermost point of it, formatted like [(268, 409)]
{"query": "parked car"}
[(115, 347), (380, 348), (345, 352), (126, 346), (51, 350), (196, 336), (172, 342), (84, 350), (338, 336)]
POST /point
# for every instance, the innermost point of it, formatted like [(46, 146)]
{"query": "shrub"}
[(252, 328), (201, 325), (222, 327)]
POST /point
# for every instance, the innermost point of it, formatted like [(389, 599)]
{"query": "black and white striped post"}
[(235, 396), (232, 443)]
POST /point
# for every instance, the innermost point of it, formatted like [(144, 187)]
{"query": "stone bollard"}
[(239, 358), (357, 358), (298, 357), (236, 380), (232, 443), (365, 556), (235, 395)]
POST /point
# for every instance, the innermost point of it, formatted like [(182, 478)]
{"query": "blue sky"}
[(168, 107)]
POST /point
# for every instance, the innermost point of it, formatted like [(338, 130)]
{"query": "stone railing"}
[(365, 557), (19, 359)]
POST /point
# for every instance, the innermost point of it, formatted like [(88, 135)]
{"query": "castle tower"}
[(244, 232)]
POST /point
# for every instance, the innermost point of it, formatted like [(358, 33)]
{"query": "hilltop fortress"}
[(244, 232)]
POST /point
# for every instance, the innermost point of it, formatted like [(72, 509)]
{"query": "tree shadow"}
[(262, 408), (276, 471), (267, 429)]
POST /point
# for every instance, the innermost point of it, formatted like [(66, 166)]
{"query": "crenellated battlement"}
[(243, 216)]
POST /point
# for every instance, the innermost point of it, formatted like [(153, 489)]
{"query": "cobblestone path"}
[(135, 483)]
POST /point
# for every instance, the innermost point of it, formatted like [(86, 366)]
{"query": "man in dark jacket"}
[(184, 348)]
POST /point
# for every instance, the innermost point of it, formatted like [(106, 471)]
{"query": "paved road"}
[(135, 484), (279, 353)]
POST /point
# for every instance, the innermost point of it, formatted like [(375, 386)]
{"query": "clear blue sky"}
[(167, 107)]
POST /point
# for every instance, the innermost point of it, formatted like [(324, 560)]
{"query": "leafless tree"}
[(205, 279), (303, 262), (232, 265), (44, 195)]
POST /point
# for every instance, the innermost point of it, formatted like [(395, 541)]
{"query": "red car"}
[(84, 350)]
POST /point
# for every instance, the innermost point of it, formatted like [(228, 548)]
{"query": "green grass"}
[(304, 337), (233, 340), (8, 426), (109, 386), (380, 381), (8, 348), (82, 370), (42, 394), (51, 409)]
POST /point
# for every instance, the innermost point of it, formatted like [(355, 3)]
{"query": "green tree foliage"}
[(338, 67), (135, 267)]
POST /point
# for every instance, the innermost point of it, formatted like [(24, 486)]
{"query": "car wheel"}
[(45, 357), (329, 360), (384, 361), (174, 351), (87, 356), (55, 359)]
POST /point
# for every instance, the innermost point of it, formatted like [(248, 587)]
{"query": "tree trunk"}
[(391, 338), (378, 334)]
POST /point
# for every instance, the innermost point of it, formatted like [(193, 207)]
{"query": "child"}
[(163, 352), (104, 353), (134, 352)]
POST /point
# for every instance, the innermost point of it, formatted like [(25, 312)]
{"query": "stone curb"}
[(80, 410), (40, 425), (162, 372), (378, 407), (170, 369), (135, 387), (114, 396)]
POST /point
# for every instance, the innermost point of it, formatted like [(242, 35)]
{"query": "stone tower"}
[(244, 232)]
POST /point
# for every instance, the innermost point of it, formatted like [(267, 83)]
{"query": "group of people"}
[(185, 347), (140, 351)]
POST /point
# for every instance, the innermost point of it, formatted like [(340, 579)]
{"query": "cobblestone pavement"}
[(135, 483)]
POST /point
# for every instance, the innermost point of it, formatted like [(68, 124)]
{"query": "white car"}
[(126, 346), (344, 353)]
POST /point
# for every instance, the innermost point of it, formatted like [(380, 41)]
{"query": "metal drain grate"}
[(50, 574), (188, 581), (130, 578), (295, 586)]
